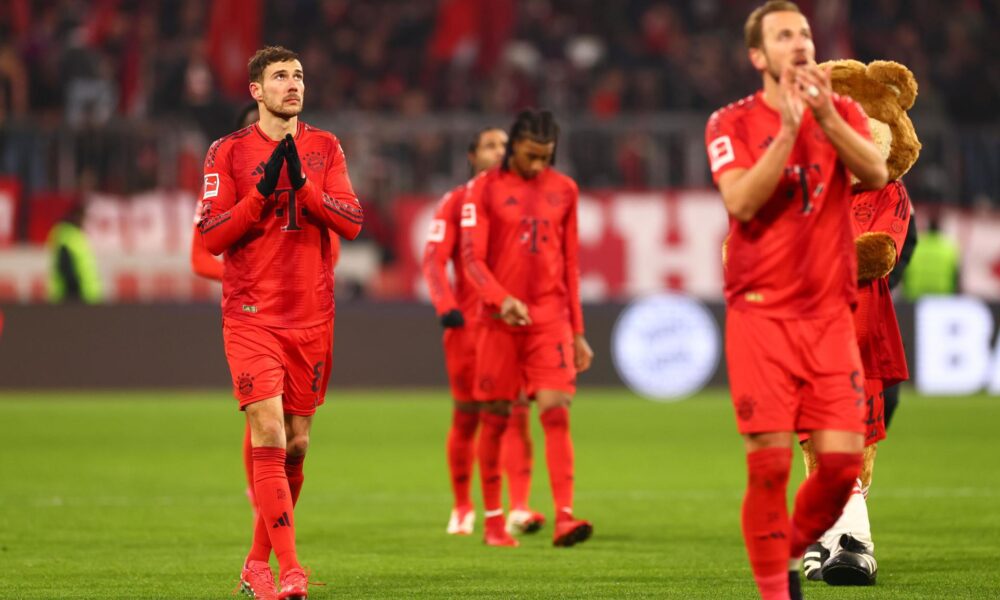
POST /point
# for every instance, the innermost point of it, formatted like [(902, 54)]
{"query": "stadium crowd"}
[(101, 80)]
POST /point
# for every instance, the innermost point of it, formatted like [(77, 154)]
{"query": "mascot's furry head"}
[(886, 90)]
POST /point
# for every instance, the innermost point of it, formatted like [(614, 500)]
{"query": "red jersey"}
[(795, 257), (209, 267), (519, 238), (887, 211), (279, 263), (443, 245)]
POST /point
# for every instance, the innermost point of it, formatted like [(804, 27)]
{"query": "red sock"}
[(274, 502), (516, 456), (765, 520), (293, 470), (822, 497), (489, 459), (461, 453), (559, 458), (261, 548)]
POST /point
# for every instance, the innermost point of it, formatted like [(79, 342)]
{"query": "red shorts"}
[(269, 361), (460, 360), (538, 358), (794, 374), (874, 411)]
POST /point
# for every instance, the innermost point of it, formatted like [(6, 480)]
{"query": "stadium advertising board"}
[(957, 349), (666, 346)]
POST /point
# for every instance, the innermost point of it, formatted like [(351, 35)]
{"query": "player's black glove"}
[(295, 175), (452, 318), (272, 170)]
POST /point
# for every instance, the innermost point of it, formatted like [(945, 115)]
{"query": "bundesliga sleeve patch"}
[(211, 185), (468, 215), (720, 152), (436, 233)]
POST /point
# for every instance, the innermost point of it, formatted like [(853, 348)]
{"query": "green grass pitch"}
[(140, 495)]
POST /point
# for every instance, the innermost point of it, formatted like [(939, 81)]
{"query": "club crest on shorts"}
[(245, 383)]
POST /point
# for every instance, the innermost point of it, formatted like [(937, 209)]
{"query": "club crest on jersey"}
[(436, 233), (468, 215), (211, 185), (315, 160), (863, 212), (720, 152)]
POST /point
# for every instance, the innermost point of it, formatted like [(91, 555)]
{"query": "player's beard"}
[(277, 110), (772, 72)]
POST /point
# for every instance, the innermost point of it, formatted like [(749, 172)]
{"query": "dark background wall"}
[(180, 345)]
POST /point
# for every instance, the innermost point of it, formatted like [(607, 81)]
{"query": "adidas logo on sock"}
[(283, 521)]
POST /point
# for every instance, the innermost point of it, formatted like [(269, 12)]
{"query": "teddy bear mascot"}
[(844, 555)]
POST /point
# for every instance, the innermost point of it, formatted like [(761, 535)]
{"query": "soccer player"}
[(273, 192), (458, 309), (781, 159), (519, 250), (210, 267)]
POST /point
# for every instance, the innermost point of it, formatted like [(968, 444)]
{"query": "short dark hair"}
[(266, 56), (248, 108), (477, 138), (536, 125), (752, 29)]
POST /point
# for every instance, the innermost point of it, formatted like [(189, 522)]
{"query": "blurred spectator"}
[(934, 268), (73, 275), (13, 85)]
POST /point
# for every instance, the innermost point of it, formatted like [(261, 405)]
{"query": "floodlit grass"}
[(140, 495)]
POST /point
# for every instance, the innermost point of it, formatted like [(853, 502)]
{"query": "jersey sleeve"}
[(475, 225), (893, 214), (224, 219), (855, 116), (440, 246), (334, 250), (335, 205), (202, 261), (726, 145), (571, 246)]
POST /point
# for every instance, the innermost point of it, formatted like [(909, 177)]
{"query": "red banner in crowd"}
[(10, 199), (233, 37)]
